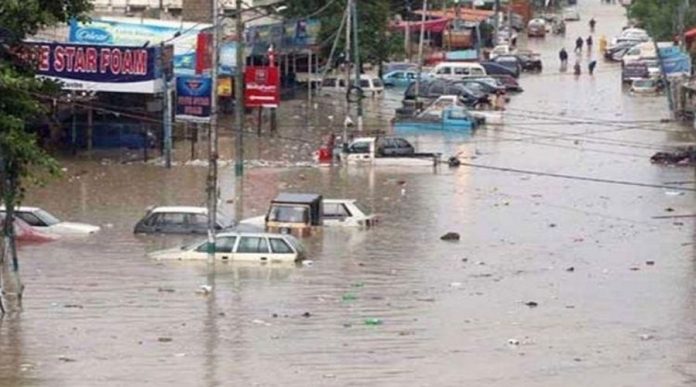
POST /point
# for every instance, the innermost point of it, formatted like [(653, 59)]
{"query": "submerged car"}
[(571, 14), (304, 214), (244, 247), (495, 67), (645, 86), (179, 220), (45, 222), (402, 78), (24, 233)]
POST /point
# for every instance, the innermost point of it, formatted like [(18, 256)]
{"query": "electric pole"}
[(356, 59), (496, 22), (212, 139), (420, 50), (239, 92)]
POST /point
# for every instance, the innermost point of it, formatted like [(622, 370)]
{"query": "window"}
[(225, 244), (398, 75), (476, 71), (461, 70), (47, 218), (172, 219), (278, 246), (376, 82), (151, 220), (401, 143), (444, 70), (437, 89), (31, 219), (329, 82), (341, 83), (198, 220), (290, 214), (252, 245), (335, 211), (359, 147), (365, 84)]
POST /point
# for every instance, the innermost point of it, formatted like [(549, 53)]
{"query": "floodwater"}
[(97, 311)]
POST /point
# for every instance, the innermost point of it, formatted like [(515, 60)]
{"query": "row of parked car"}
[(637, 53)]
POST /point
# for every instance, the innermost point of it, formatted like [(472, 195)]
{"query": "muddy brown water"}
[(99, 312)]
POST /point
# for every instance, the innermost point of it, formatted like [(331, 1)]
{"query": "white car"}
[(644, 86), (45, 222), (243, 247), (347, 213), (571, 14)]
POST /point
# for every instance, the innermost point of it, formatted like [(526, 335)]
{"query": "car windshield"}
[(295, 243), (362, 208), (47, 218), (290, 214), (376, 82)]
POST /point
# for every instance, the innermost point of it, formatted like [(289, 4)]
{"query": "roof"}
[(188, 209), (23, 209), (340, 200), (297, 197), (252, 234)]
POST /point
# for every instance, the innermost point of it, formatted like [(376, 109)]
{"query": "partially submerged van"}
[(457, 70)]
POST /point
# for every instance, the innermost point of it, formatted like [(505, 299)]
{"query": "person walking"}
[(591, 66), (593, 22), (603, 44), (578, 44), (563, 56), (589, 42), (576, 68)]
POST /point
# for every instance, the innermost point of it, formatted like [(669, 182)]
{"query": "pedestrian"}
[(593, 22), (513, 40), (591, 66), (576, 68), (563, 56), (578, 44), (588, 41), (603, 44), (499, 101)]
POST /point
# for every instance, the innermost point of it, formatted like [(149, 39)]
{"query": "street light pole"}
[(239, 92)]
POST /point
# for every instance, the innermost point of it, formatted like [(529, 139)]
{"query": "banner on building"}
[(140, 32), (675, 61), (193, 98), (284, 36), (261, 87), (121, 69)]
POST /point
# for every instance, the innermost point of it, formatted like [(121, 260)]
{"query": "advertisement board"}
[(193, 97), (123, 69), (137, 32), (284, 36), (261, 87)]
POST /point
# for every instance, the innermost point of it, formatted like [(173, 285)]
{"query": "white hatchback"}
[(243, 247), (43, 221)]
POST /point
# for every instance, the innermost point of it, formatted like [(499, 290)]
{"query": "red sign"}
[(261, 87), (204, 51)]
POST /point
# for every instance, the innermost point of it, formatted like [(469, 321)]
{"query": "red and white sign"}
[(261, 87)]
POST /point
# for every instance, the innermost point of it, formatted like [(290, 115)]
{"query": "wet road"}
[(99, 312)]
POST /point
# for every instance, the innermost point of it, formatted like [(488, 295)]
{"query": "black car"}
[(509, 82), (510, 62), (179, 220), (485, 85), (431, 89), (493, 68)]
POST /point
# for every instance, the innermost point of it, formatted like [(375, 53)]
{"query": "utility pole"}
[(346, 56), (356, 59), (420, 50), (212, 140), (239, 92), (683, 9), (167, 112)]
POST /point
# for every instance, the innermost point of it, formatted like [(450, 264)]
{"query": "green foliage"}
[(376, 43), (661, 17), (20, 92)]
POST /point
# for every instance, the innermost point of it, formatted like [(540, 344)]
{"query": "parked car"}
[(430, 90), (236, 246), (457, 70), (24, 233), (495, 68), (500, 49), (304, 214), (179, 220), (633, 71), (571, 14), (509, 82), (392, 146), (529, 60), (617, 51), (645, 86), (536, 28), (402, 66), (371, 86), (45, 222), (402, 78), (484, 85), (510, 62)]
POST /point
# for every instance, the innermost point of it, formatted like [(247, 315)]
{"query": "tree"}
[(661, 17), (21, 158), (376, 43)]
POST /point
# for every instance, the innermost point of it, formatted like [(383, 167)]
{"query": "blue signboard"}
[(675, 61), (193, 97), (131, 32), (98, 68)]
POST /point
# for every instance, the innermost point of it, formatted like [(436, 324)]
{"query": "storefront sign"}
[(97, 68), (261, 87), (137, 32), (193, 98)]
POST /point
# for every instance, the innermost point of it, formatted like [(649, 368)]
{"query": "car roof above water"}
[(286, 197), (186, 209)]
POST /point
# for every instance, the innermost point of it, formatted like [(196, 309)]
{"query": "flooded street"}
[(555, 281)]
